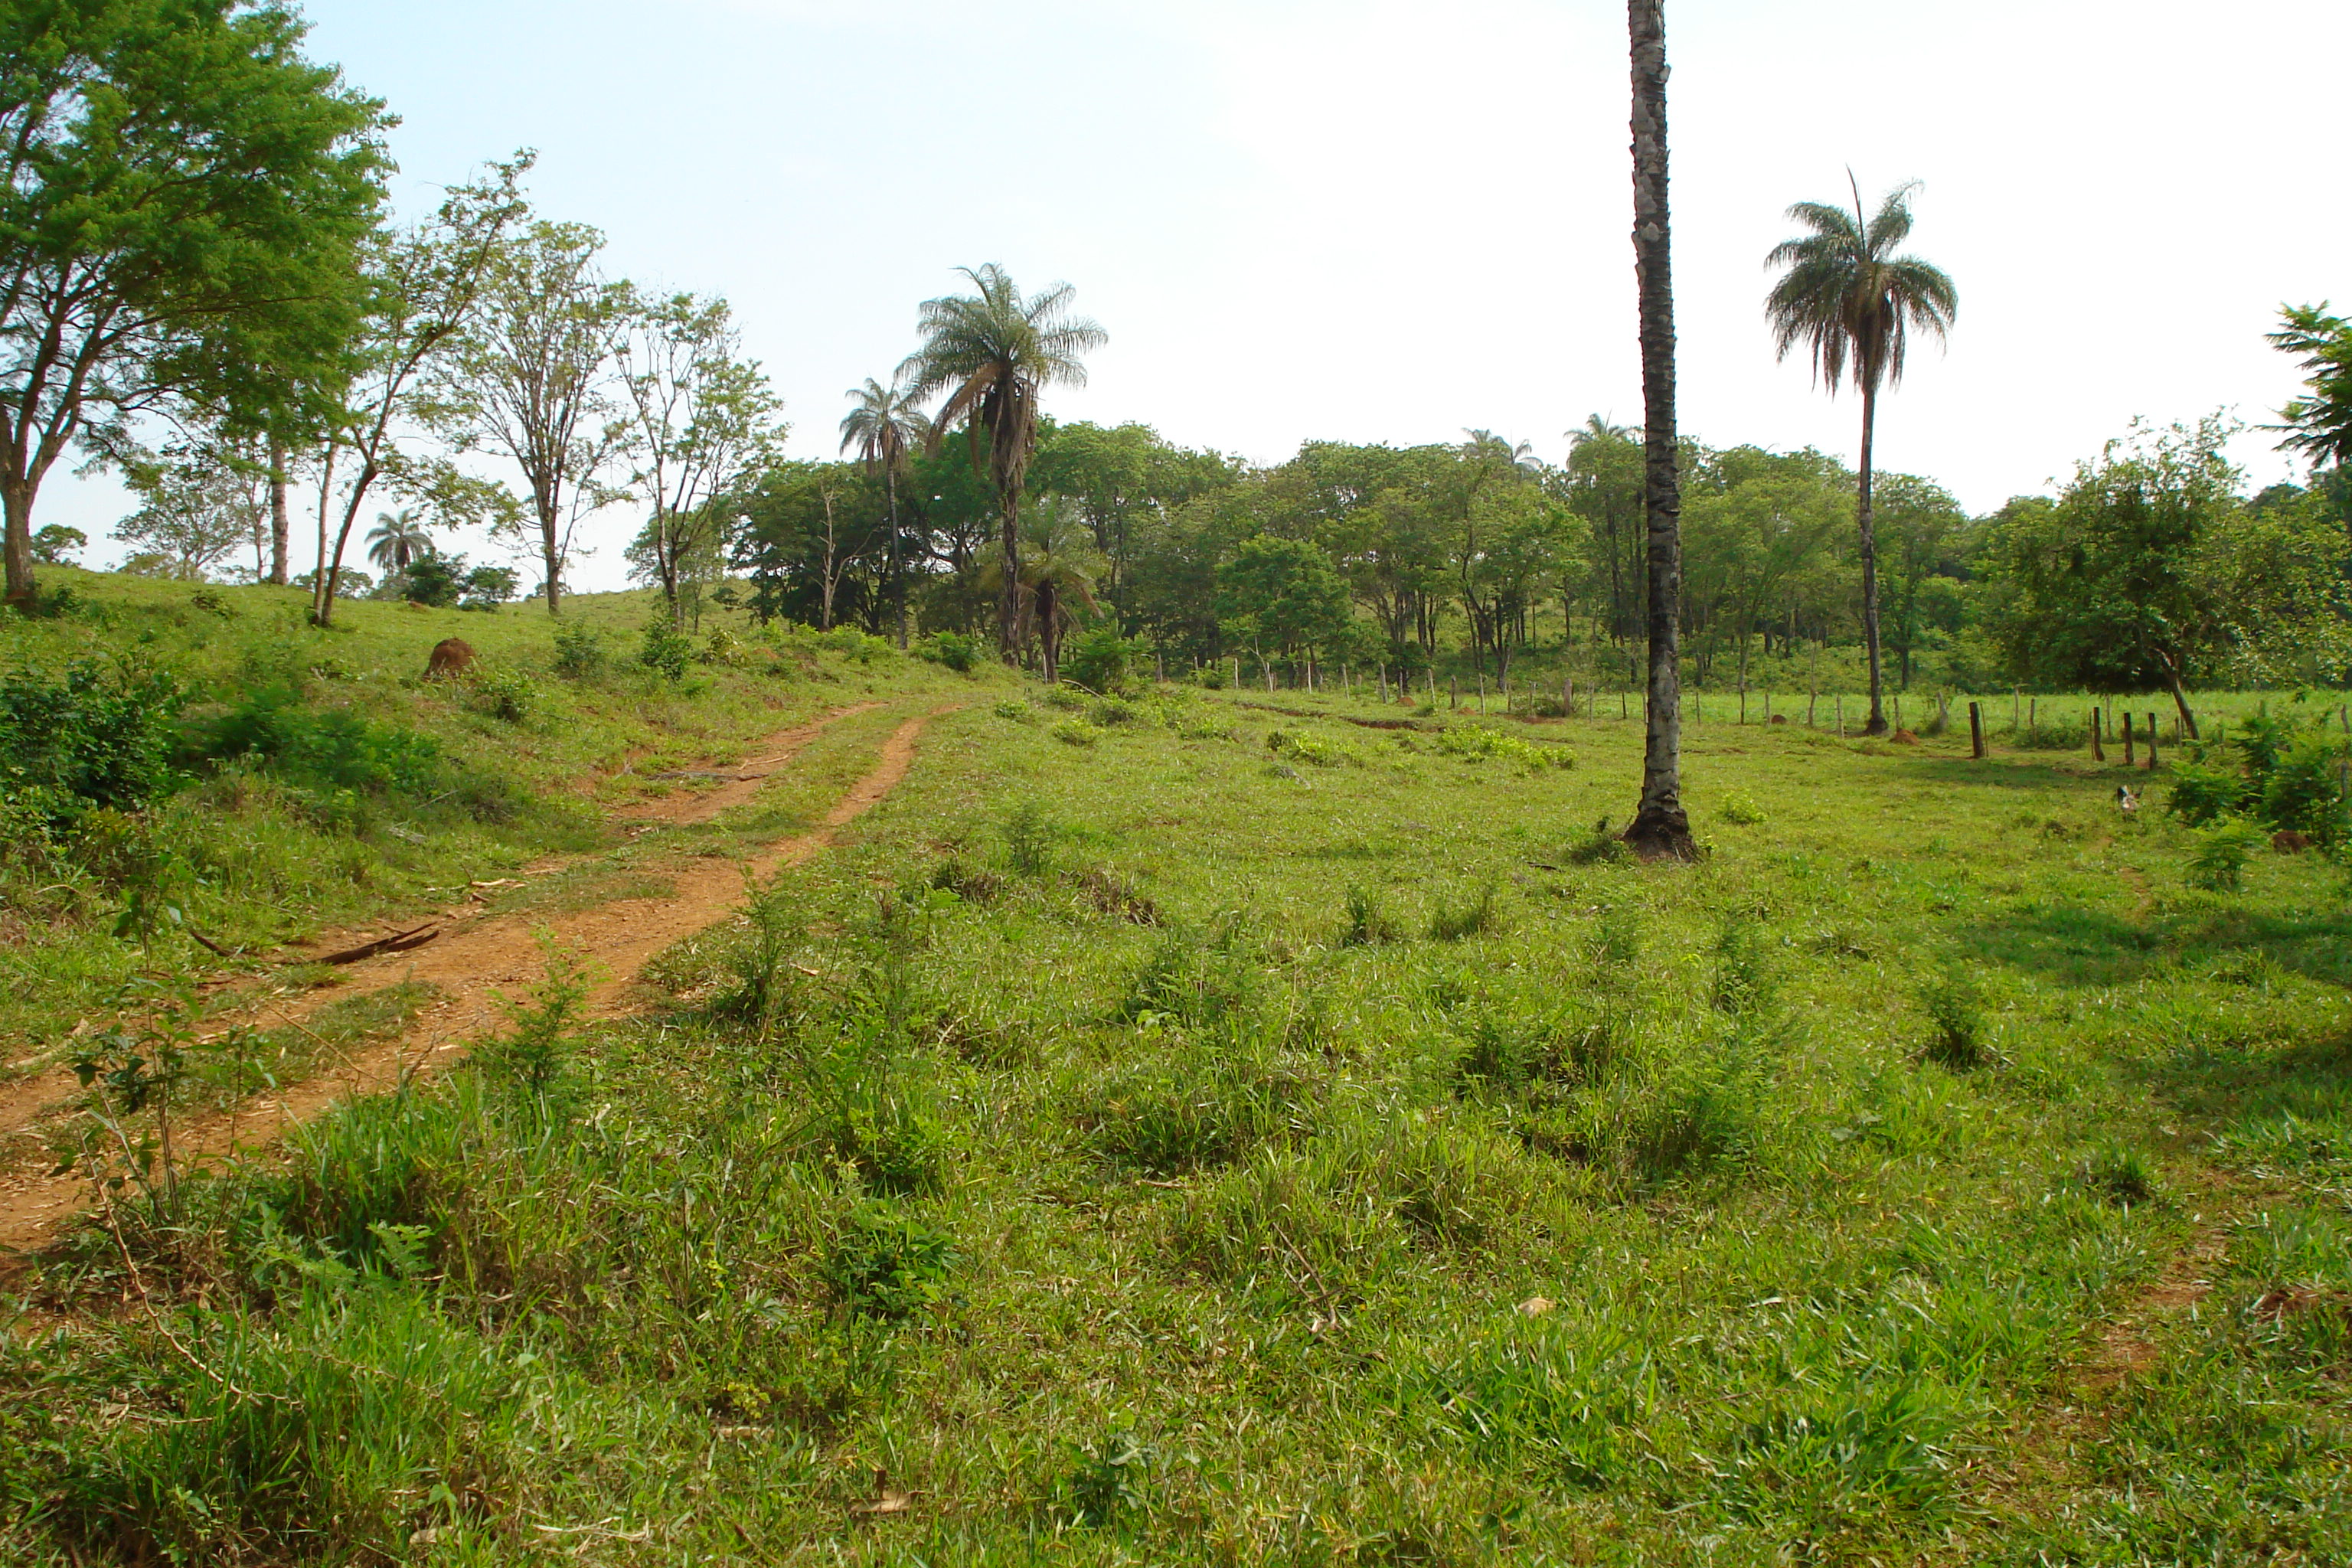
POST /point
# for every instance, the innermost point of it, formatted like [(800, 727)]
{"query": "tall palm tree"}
[(1660, 829), (884, 426), (993, 353), (1854, 303), (397, 539)]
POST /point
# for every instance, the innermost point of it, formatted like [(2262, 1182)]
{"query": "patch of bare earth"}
[(466, 964)]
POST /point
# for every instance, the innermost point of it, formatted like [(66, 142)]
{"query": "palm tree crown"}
[(1854, 303), (397, 539), (1849, 298), (884, 426), (993, 353)]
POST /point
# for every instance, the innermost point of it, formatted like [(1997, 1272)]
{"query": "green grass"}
[(251, 855), (1372, 1176)]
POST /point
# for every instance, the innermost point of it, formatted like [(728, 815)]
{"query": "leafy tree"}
[(1929, 540), (1605, 485), (994, 354), (432, 578), (525, 380), (1854, 303), (1754, 538), (422, 285), (397, 539), (185, 192), (1284, 596), (809, 534), (1660, 829), (885, 427), (194, 512), (702, 418), (2111, 586), (486, 587), (1121, 478), (53, 543)]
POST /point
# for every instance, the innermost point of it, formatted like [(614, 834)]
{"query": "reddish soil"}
[(466, 965)]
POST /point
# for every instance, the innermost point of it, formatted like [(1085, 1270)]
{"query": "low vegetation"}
[(1177, 1149)]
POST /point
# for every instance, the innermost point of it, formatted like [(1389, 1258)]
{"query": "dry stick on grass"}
[(399, 942)]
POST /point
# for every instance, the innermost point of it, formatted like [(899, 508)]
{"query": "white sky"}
[(1373, 220)]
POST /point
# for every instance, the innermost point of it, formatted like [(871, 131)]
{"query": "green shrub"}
[(2302, 788), (1213, 676), (331, 748), (2202, 795), (1739, 809), (99, 736), (2218, 861), (502, 693), (664, 649), (1015, 710), (953, 649), (1030, 837), (1075, 732), (1099, 659), (580, 651)]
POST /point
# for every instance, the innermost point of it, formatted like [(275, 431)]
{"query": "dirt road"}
[(467, 965)]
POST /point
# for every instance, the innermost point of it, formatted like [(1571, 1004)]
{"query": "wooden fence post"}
[(1813, 695), (2151, 742), (1453, 692), (1898, 711), (2128, 739), (2099, 751), (1568, 697), (1976, 731), (1840, 715)]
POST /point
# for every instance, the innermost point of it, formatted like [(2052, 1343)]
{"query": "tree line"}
[(211, 295)]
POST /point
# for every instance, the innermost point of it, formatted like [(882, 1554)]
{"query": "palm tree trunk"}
[(1659, 830), (1877, 725), (1008, 603)]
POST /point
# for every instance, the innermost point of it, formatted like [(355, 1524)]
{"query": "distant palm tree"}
[(1853, 303), (993, 353), (884, 426), (397, 539), (1057, 570)]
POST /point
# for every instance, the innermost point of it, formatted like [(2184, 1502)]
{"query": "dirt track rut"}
[(467, 965)]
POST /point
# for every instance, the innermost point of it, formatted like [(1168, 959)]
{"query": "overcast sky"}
[(1372, 221)]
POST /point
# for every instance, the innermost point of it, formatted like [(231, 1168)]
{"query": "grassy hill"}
[(1203, 1127)]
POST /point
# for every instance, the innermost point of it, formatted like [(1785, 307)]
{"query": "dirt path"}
[(467, 966)]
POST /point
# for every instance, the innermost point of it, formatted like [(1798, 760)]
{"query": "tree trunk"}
[(1659, 830), (1049, 631), (279, 527), (898, 578), (554, 587), (17, 539), (1008, 603), (1877, 724)]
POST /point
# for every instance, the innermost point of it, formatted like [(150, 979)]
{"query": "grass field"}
[(1170, 1130)]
